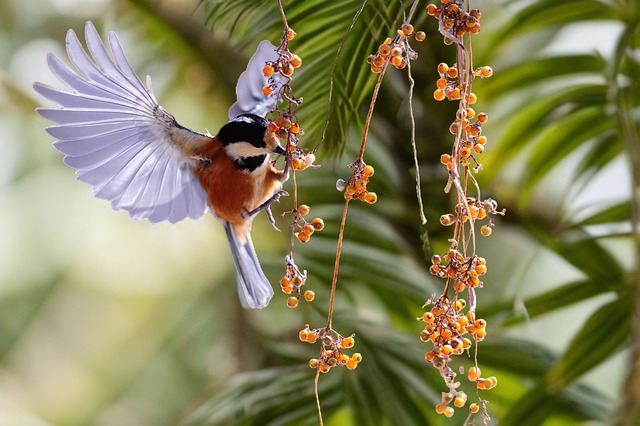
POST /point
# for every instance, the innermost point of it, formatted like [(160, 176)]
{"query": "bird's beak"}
[(278, 149)]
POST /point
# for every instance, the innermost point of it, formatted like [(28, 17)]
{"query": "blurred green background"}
[(109, 321)]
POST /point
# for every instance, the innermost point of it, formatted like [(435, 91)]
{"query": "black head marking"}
[(244, 128), (250, 163)]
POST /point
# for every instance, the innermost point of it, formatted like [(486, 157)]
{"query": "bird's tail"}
[(253, 287)]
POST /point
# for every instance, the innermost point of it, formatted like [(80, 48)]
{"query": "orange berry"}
[(428, 317), (441, 83), (347, 342), (397, 61), (309, 295), (478, 148), (356, 357), (312, 337), (368, 171), (472, 99), (318, 224), (295, 128), (376, 69), (441, 408), (287, 289), (452, 72), (445, 159), (284, 281), (396, 51), (447, 350), (351, 364), (290, 34), (482, 213), (465, 152), (439, 95), (483, 117), (480, 334), (268, 70), (313, 363), (480, 323), (384, 49), (304, 210), (303, 335), (485, 230), (303, 237), (324, 368), (267, 91), (481, 269), (407, 29), (460, 400), (431, 9), (420, 36), (308, 229), (443, 68), (473, 373), (370, 197), (455, 93), (447, 219), (482, 140), (295, 61), (272, 127), (486, 72), (474, 408), (292, 302), (449, 412)]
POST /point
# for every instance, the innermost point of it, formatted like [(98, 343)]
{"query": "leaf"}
[(620, 212), (539, 71), (558, 141), (527, 122), (601, 336), (555, 299), (543, 14)]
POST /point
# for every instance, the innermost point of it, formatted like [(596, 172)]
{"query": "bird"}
[(114, 133)]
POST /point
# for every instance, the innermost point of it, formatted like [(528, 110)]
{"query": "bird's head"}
[(247, 141)]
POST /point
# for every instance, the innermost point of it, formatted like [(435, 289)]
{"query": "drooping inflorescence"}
[(451, 324)]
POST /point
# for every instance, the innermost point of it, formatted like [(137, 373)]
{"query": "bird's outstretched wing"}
[(117, 137), (250, 99)]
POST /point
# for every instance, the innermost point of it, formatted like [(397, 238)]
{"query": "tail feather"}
[(253, 287)]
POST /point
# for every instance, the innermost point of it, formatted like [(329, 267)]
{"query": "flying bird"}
[(114, 133)]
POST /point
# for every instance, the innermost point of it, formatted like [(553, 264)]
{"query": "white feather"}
[(250, 99), (114, 134)]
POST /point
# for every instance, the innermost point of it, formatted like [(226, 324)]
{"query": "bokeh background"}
[(108, 321)]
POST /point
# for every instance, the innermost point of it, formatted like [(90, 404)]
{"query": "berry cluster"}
[(446, 328), (331, 354), (454, 19), (472, 209), (451, 326), (356, 186), (395, 51), (285, 65), (291, 283), (463, 271), (306, 228)]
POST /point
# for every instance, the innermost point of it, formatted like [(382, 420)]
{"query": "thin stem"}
[(284, 17), (365, 130), (334, 282), (333, 69), (318, 396), (412, 84)]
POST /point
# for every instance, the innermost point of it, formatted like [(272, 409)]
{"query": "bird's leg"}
[(266, 206)]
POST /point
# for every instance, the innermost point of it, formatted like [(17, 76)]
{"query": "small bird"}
[(119, 140)]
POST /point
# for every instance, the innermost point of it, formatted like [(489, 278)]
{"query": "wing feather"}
[(116, 136)]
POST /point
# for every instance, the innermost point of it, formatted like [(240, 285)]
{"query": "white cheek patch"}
[(244, 150)]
